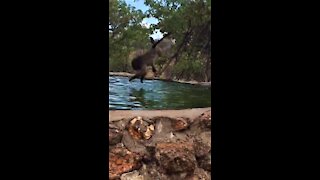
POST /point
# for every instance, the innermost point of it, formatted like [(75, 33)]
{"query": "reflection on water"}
[(154, 94)]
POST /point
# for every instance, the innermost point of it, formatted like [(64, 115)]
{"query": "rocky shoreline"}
[(151, 77), (160, 144)]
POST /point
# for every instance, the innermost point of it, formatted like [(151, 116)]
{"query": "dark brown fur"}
[(140, 63)]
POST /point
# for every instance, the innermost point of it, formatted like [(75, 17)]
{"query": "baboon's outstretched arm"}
[(156, 43)]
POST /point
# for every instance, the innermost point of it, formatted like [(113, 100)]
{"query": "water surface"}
[(155, 94)]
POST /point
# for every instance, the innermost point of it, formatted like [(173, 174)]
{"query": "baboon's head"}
[(163, 46)]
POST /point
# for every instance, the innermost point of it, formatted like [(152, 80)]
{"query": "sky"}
[(139, 4)]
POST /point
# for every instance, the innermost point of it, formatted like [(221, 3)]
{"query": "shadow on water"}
[(155, 94)]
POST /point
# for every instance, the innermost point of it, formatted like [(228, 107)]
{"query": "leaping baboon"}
[(159, 48)]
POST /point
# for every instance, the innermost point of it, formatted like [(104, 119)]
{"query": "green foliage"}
[(125, 34), (190, 23), (189, 69)]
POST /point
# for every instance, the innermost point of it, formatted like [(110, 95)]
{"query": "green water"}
[(154, 94)]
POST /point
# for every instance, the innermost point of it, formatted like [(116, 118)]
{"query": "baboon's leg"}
[(142, 76), (154, 68), (133, 77), (143, 73)]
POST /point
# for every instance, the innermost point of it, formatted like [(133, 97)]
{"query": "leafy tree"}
[(126, 34), (190, 22)]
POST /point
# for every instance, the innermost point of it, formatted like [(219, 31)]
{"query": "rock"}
[(138, 128), (149, 132), (163, 129), (202, 144), (180, 124), (149, 145), (199, 174), (176, 157), (115, 136), (151, 172), (132, 144), (121, 161), (201, 123), (133, 128), (205, 162), (205, 119), (134, 175)]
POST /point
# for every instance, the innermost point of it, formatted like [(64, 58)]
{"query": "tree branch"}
[(175, 56)]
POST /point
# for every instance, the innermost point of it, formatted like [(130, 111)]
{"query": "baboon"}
[(159, 48)]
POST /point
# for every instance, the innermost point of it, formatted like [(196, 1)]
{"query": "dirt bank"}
[(150, 76), (160, 144)]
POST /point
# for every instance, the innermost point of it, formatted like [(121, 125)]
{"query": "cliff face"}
[(168, 144)]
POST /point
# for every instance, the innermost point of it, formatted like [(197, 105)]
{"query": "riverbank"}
[(165, 144), (151, 77)]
